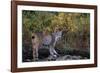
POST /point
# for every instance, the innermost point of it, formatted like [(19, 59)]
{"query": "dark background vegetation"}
[(76, 37)]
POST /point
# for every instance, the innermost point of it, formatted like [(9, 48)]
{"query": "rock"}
[(43, 53), (68, 57), (85, 58), (28, 60), (75, 57)]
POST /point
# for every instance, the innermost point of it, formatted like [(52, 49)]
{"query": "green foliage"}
[(76, 25)]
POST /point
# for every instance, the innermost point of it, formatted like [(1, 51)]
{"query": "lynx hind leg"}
[(35, 55)]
